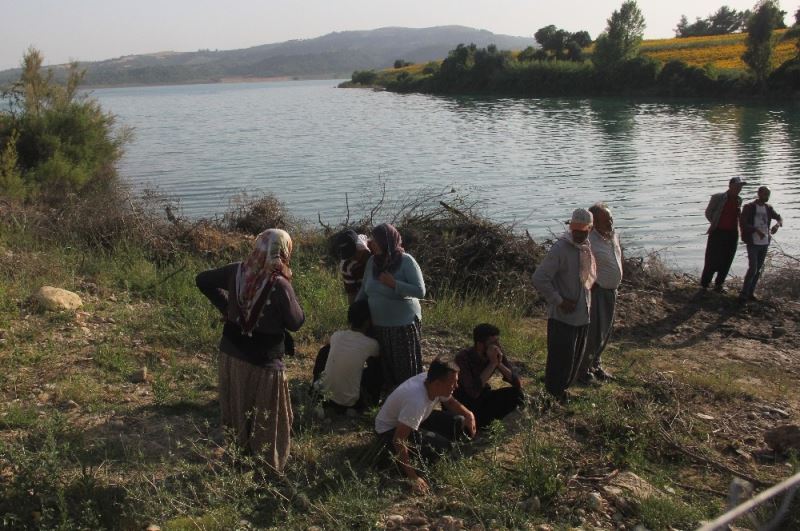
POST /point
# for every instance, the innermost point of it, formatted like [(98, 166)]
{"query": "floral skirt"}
[(401, 353), (256, 407)]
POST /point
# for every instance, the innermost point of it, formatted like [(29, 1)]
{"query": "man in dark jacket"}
[(723, 234), (756, 233)]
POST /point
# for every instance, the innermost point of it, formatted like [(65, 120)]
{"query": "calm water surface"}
[(527, 160)]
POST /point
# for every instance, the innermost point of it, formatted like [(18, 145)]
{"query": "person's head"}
[(735, 185), (602, 218), (385, 240), (483, 335), (358, 315), (272, 248), (442, 377), (580, 225), (345, 244), (763, 194)]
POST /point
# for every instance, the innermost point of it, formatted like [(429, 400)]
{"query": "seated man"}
[(477, 365), (407, 419), (344, 381)]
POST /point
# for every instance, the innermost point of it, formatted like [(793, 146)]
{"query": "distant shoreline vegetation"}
[(617, 63)]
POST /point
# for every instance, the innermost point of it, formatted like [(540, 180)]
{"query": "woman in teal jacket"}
[(392, 286)]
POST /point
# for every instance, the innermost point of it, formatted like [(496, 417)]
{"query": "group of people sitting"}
[(378, 359)]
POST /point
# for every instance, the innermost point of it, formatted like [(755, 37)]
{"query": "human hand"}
[(774, 229), (760, 233), (470, 425), (419, 486), (387, 279), (567, 306), (494, 354)]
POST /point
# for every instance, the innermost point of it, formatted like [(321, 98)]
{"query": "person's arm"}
[(543, 278), (509, 373), (414, 285), (400, 444), (467, 386), (712, 206), (214, 285), (454, 406), (362, 291), (291, 312), (777, 217)]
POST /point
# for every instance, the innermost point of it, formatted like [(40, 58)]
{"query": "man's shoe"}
[(601, 374), (752, 298), (720, 288)]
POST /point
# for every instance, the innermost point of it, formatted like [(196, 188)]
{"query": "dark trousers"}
[(435, 436), (566, 345), (756, 255), (601, 321), (371, 380), (494, 404), (720, 250)]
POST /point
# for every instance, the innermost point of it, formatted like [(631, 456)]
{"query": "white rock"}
[(56, 299), (595, 501)]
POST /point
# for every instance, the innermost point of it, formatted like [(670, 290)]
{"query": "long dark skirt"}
[(401, 353)]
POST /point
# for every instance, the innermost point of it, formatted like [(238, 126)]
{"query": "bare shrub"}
[(253, 215)]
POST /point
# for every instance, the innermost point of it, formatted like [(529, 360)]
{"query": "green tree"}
[(761, 39), (560, 44), (57, 141), (11, 183), (622, 37)]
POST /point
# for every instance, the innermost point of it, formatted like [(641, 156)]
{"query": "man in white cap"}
[(565, 278), (722, 213)]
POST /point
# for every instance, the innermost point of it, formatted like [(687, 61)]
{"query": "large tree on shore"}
[(760, 41), (622, 38)]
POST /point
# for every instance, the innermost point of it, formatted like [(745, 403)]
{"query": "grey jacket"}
[(715, 206), (558, 277)]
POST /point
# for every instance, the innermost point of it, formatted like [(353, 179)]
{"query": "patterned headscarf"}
[(588, 266), (257, 274), (390, 241)]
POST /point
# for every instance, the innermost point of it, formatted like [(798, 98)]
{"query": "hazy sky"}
[(101, 29)]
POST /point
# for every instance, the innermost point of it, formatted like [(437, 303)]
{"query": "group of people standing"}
[(380, 355), (728, 222)]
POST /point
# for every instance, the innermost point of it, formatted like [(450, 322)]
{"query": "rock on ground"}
[(55, 299)]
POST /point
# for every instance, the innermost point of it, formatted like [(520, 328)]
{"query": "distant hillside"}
[(330, 56)]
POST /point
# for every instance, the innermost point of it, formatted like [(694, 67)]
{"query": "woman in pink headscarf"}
[(259, 306)]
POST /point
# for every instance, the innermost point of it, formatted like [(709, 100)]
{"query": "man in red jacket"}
[(723, 234)]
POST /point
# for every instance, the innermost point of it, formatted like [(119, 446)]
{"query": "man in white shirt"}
[(756, 233), (608, 258), (407, 419), (344, 382)]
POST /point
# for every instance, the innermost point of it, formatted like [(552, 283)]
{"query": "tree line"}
[(571, 63)]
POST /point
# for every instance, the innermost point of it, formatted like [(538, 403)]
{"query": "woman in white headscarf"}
[(259, 306)]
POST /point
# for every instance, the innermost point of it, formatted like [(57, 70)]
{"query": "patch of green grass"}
[(662, 513), (116, 360), (82, 389), (18, 416)]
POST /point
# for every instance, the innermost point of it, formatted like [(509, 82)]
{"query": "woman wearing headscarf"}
[(392, 286), (258, 305)]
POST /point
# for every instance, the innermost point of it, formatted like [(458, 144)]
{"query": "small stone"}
[(152, 527), (86, 331), (670, 490), (580, 512), (595, 501), (43, 397), (314, 528), (71, 404), (55, 299), (140, 376), (640, 527), (778, 331), (416, 520), (543, 527), (396, 518)]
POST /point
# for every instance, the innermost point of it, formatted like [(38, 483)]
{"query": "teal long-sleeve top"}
[(398, 306)]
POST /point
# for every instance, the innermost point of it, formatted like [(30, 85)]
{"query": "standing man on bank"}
[(756, 233), (608, 257), (565, 278), (722, 212)]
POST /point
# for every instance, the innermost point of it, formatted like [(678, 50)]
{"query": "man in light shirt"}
[(757, 234), (408, 422), (608, 259), (344, 382)]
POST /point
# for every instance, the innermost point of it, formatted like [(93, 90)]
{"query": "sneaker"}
[(601, 374)]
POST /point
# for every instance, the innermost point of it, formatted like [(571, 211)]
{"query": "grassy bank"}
[(87, 442), (708, 66)]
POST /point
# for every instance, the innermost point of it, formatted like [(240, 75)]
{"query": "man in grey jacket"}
[(565, 278), (722, 213)]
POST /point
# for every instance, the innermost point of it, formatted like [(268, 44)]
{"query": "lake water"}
[(531, 161)]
